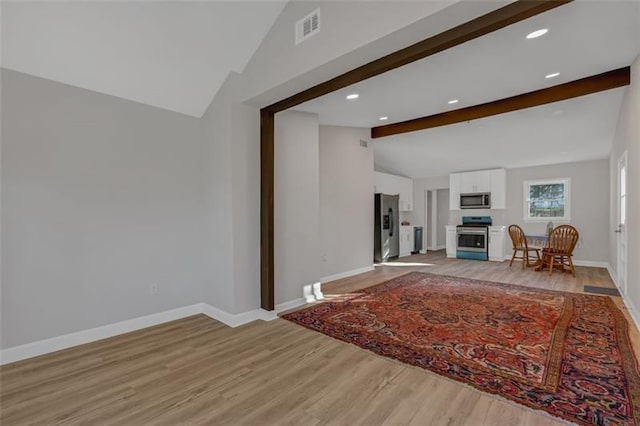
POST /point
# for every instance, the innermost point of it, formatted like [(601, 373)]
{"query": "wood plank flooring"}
[(198, 371)]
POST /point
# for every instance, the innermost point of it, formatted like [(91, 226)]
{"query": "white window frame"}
[(567, 202)]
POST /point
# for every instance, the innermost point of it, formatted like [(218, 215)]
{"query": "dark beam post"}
[(267, 129)]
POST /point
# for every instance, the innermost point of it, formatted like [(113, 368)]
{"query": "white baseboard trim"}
[(436, 248), (614, 276), (54, 344), (232, 320), (346, 274), (281, 307), (41, 347), (591, 263), (633, 310)]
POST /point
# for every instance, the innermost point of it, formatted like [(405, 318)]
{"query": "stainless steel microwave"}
[(478, 200)]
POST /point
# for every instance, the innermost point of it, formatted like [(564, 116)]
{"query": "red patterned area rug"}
[(567, 354)]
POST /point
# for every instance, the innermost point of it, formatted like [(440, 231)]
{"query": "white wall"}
[(297, 204), (346, 200), (627, 138), (101, 198), (589, 204)]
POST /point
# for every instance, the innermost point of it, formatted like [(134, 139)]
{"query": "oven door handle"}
[(471, 232)]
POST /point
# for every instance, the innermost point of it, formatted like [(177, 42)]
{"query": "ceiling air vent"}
[(308, 26)]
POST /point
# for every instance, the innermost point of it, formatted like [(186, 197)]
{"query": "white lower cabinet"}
[(497, 243), (406, 240), (451, 240)]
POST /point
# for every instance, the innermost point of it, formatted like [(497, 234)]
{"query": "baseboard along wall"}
[(54, 344)]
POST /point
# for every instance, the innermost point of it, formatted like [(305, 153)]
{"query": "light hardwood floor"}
[(198, 371)]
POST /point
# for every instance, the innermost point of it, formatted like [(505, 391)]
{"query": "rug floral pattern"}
[(567, 354)]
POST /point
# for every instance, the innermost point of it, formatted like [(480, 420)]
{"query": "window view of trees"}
[(547, 200)]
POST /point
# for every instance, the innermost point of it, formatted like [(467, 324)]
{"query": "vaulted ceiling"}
[(172, 55)]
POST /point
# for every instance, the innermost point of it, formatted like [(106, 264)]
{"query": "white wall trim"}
[(591, 263), (346, 274), (613, 275), (54, 344), (65, 341), (633, 310), (281, 307), (232, 320), (435, 248)]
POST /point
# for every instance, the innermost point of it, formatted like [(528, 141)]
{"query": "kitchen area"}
[(467, 223)]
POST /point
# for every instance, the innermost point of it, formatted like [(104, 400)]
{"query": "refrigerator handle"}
[(390, 222)]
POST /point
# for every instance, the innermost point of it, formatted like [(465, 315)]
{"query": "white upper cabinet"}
[(475, 182), (492, 181), (392, 184)]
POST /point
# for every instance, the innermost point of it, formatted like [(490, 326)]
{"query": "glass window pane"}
[(623, 181), (546, 191), (546, 200), (623, 210)]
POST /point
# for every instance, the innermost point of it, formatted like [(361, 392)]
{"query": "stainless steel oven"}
[(472, 238)]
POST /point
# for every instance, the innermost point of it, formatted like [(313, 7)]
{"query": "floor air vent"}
[(308, 26)]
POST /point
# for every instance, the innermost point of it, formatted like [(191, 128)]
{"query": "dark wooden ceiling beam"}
[(584, 86), (485, 24)]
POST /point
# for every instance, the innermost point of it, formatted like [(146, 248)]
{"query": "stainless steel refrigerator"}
[(386, 228)]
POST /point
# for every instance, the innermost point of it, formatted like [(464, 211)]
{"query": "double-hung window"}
[(546, 200)]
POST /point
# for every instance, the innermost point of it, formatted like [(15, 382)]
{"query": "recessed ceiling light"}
[(554, 74), (453, 101), (352, 96), (537, 33), (384, 118)]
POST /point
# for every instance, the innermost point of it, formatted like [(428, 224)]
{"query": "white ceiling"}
[(173, 55), (584, 38), (573, 130)]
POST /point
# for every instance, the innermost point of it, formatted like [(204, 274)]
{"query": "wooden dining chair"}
[(559, 250), (519, 240)]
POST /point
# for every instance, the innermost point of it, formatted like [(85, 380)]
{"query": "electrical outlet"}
[(155, 289)]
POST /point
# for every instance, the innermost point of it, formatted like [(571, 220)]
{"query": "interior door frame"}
[(621, 231), (502, 17)]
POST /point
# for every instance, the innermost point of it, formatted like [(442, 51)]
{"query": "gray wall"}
[(426, 230), (297, 204), (231, 186), (101, 198), (589, 204), (442, 216), (628, 139), (346, 200)]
